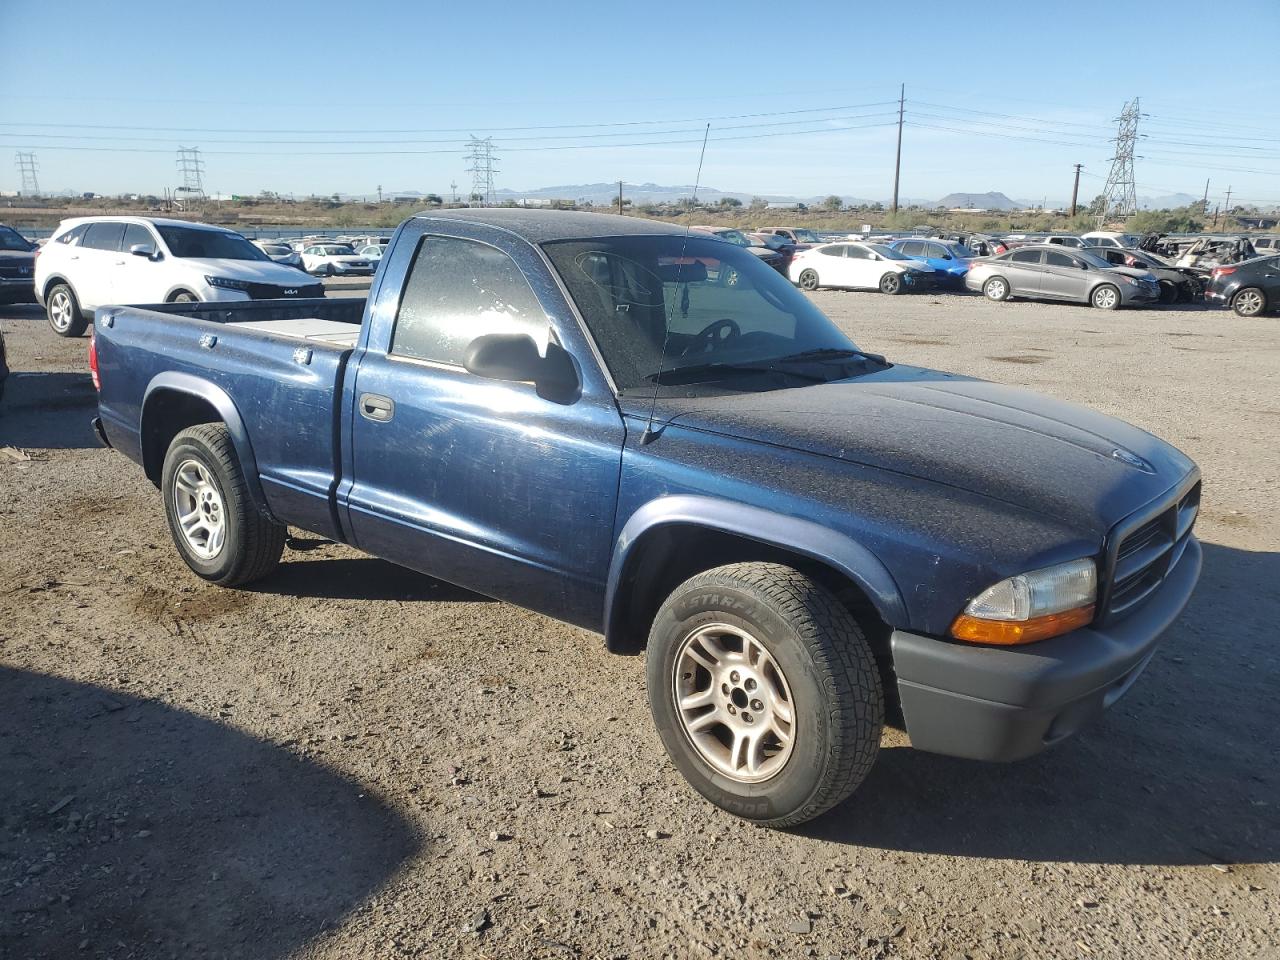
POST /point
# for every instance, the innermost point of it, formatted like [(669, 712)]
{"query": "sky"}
[(325, 97)]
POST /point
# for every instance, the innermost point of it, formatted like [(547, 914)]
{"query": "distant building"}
[(783, 205)]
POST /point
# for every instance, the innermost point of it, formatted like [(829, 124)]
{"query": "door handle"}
[(377, 408)]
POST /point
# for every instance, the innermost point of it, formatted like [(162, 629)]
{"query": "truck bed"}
[(276, 364)]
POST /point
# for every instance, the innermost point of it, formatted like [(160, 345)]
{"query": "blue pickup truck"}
[(575, 413)]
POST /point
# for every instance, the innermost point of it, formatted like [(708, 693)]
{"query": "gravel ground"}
[(354, 761)]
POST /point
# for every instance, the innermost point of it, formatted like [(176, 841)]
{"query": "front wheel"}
[(184, 296), (808, 280), (891, 283), (63, 310), (1249, 302), (765, 692), (213, 521), (1105, 297)]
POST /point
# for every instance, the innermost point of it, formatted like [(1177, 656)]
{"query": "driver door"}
[(863, 271), (138, 279), (482, 483)]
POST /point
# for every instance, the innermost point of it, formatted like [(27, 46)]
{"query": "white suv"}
[(94, 261)]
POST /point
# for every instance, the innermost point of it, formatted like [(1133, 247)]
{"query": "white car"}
[(1109, 238), (335, 259), (91, 262), (373, 251), (858, 266)]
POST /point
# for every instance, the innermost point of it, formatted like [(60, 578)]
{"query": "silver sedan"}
[(1043, 272)]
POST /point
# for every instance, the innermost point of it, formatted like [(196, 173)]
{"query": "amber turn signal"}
[(1007, 633)]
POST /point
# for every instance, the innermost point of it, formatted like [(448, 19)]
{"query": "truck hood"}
[(1025, 449), (255, 271)]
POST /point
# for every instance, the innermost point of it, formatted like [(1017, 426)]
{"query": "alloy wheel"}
[(734, 703), (198, 504), (60, 310)]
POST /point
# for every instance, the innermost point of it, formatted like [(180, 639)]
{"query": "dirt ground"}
[(354, 761)]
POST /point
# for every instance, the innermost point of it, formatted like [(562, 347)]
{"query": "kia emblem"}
[(291, 292)]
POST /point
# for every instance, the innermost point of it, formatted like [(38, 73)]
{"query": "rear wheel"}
[(213, 521), (1249, 302), (997, 288), (63, 310), (809, 279), (764, 691), (891, 283), (1105, 297)]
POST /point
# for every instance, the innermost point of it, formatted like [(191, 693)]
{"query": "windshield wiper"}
[(829, 353), (707, 371)]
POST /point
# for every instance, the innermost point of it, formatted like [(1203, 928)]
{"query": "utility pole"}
[(453, 188), (897, 163), (1075, 189), (379, 193), (1204, 204), (1216, 209), (1227, 203), (619, 198)]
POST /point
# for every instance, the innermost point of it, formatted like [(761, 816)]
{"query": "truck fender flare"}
[(220, 400), (793, 534)]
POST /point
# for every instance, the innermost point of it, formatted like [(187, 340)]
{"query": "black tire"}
[(1168, 292), (891, 283), (996, 289), (252, 543), (821, 651), (809, 279), (184, 296), (1249, 302), (1105, 296), (63, 312)]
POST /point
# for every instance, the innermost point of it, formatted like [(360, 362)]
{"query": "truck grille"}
[(1148, 552)]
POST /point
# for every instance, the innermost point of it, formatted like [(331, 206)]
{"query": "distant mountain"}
[(1169, 202), (982, 201)]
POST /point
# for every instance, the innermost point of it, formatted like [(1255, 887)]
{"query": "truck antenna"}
[(650, 434)]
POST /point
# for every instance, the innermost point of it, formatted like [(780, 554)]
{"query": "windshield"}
[(337, 251), (807, 236), (663, 303), (187, 242), (735, 237), (887, 252), (275, 249), (11, 239)]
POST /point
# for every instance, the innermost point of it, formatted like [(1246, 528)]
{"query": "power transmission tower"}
[(482, 157), (1120, 195), (191, 167), (26, 163)]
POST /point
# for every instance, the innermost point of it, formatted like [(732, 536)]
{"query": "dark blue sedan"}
[(949, 260)]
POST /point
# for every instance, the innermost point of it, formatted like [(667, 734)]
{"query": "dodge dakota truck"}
[(565, 411)]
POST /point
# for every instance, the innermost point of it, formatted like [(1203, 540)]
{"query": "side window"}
[(913, 248), (74, 235), (103, 236), (1053, 258), (1025, 256), (938, 252), (856, 253), (136, 233), (835, 250), (458, 290)]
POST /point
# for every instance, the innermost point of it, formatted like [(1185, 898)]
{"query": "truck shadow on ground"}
[(360, 578), (48, 410), (1183, 770), (137, 829)]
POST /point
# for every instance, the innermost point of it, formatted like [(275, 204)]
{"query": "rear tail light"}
[(93, 360), (1223, 271)]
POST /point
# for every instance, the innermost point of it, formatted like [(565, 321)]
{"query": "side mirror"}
[(514, 357), (143, 250), (875, 256)]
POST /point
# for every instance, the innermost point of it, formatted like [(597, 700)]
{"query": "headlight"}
[(1031, 606), (227, 283)]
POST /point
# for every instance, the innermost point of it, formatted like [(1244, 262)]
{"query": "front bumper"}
[(17, 288), (1006, 703)]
